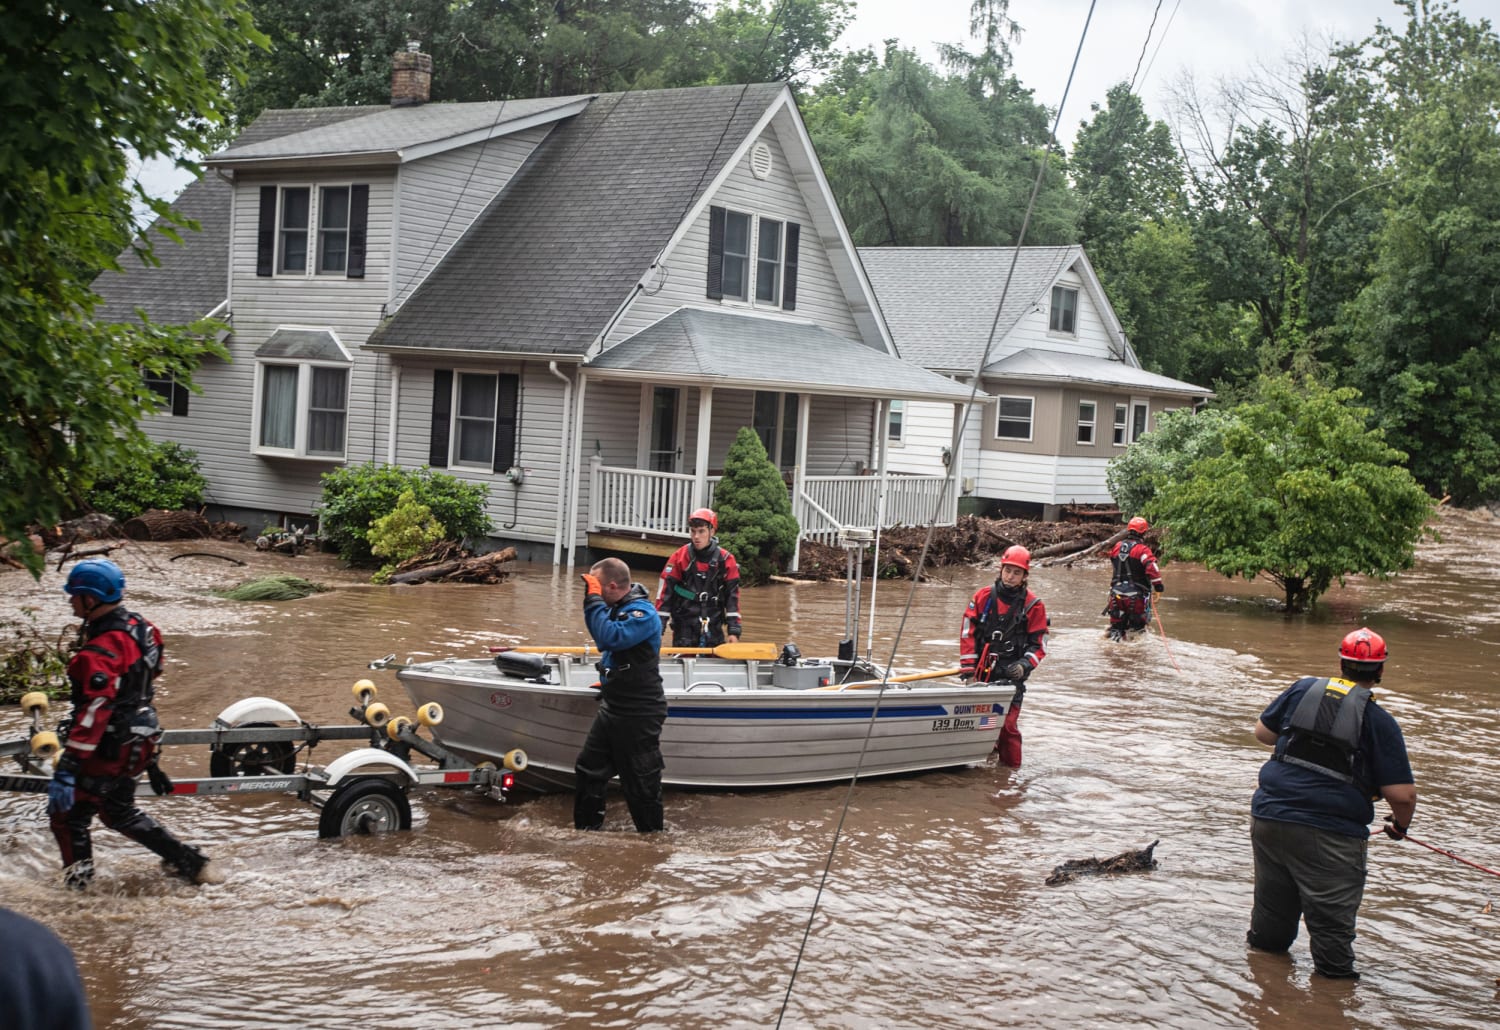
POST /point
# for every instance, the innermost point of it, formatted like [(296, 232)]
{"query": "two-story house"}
[(1063, 389), (577, 301)]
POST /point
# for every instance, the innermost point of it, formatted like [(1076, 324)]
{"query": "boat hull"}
[(728, 725)]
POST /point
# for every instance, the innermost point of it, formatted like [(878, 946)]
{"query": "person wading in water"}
[(1003, 638)]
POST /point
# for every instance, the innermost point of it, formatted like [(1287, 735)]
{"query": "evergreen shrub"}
[(755, 511)]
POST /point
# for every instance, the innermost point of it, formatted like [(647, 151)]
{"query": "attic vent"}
[(760, 161)]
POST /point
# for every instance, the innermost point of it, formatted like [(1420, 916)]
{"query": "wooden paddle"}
[(909, 677), (743, 652)]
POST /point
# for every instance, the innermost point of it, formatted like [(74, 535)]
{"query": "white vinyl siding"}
[(820, 297)]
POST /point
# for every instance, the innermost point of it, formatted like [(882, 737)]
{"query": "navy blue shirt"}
[(1291, 794), (39, 984)]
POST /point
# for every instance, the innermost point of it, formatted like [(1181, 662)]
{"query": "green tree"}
[(160, 475), (1428, 324), (916, 158), (755, 510), (1303, 492), (80, 82)]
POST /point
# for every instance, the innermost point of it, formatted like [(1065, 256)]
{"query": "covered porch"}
[(820, 404)]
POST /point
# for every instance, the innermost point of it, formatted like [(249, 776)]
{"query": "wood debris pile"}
[(447, 562), (972, 541)]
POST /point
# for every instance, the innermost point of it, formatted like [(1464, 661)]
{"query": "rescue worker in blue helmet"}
[(1336, 751), (699, 593), (113, 734)]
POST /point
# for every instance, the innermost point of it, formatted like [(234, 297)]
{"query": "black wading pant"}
[(627, 745), (112, 799), (1312, 873)]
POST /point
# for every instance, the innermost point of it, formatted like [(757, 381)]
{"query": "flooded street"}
[(934, 911)]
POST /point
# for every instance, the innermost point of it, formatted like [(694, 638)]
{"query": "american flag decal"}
[(989, 722)]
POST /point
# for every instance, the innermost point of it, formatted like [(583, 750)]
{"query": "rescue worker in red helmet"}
[(113, 733), (699, 594), (1336, 752), (1134, 577), (1004, 637)]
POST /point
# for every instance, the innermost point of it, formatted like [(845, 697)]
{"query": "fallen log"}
[(1104, 544), (485, 568), (157, 524), (92, 552)]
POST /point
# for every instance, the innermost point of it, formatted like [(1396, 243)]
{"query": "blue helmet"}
[(97, 577)]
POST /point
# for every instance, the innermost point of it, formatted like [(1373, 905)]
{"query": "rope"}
[(1449, 854), (1156, 610)]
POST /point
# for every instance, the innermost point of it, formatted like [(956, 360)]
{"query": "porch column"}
[(799, 471), (705, 427), (571, 529), (956, 460)]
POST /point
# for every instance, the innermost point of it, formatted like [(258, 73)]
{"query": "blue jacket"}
[(629, 636)]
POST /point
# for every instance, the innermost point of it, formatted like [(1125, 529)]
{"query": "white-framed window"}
[(174, 395), (737, 255), (1122, 420), (1087, 416), (895, 423), (1139, 411), (301, 403), (333, 230), (1064, 315), (752, 259), (1013, 417), (303, 409), (768, 262), (313, 229), (474, 398)]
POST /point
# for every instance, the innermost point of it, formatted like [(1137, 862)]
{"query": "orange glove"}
[(591, 584)]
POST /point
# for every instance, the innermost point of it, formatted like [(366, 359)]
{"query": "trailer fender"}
[(362, 761), (255, 709)]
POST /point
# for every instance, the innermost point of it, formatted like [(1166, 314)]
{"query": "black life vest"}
[(1005, 635), (136, 689), (634, 673), (1128, 569), (703, 589), (1324, 733)]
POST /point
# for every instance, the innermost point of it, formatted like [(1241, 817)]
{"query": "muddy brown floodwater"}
[(934, 912)]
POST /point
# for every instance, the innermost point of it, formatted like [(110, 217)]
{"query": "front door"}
[(664, 453)]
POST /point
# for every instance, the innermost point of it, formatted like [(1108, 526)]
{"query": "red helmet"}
[(1363, 645), (706, 515), (1018, 556), (1137, 525)]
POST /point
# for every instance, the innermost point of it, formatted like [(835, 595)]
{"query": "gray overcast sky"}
[(1212, 38)]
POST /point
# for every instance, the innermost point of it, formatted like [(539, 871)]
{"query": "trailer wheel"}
[(255, 758), (366, 804)]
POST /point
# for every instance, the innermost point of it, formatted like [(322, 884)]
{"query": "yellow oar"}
[(909, 677), (743, 652)]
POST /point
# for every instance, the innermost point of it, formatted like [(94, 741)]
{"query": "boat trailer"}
[(254, 746)]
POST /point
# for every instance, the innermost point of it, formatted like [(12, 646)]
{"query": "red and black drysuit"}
[(1003, 638), (110, 739), (700, 595), (1134, 577)]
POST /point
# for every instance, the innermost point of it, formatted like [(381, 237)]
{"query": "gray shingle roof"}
[(940, 301), (375, 130), (193, 277), (749, 350), (545, 268), (1052, 366)]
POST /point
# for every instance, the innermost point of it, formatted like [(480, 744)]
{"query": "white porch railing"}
[(639, 501)]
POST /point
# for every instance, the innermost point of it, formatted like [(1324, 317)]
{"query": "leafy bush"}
[(755, 510), (353, 498), (163, 475), (31, 660), (1163, 455), (407, 531)]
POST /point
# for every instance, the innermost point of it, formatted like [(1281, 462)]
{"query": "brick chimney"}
[(411, 76)]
